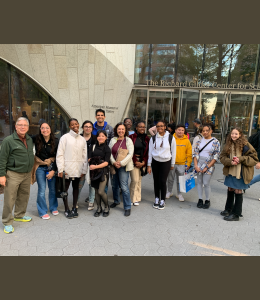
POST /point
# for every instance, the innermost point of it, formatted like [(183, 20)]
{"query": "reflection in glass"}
[(59, 120), (28, 101), (189, 109), (211, 111), (244, 63), (4, 102), (190, 58), (159, 107), (137, 109), (256, 116), (217, 63), (240, 112)]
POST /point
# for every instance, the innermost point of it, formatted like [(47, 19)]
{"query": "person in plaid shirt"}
[(206, 153)]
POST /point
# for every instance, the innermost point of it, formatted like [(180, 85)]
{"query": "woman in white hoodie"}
[(162, 153), (72, 158)]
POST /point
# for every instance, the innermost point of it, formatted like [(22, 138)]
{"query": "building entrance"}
[(224, 108)]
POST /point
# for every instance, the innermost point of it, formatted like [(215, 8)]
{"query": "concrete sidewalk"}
[(180, 229)]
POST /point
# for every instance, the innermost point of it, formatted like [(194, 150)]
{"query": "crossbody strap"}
[(206, 145)]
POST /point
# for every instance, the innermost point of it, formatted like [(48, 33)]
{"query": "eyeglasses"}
[(20, 125), (45, 128), (88, 127)]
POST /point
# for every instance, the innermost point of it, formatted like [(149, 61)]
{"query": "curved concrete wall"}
[(81, 77)]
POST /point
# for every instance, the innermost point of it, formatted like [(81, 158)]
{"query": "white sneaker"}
[(162, 204), (136, 203), (168, 195), (259, 199), (180, 197), (156, 203), (46, 217)]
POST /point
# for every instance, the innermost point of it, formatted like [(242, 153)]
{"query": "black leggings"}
[(160, 174), (75, 186)]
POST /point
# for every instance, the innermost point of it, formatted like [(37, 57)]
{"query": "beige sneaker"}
[(91, 206), (180, 197)]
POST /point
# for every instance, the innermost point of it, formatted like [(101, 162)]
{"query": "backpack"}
[(170, 140), (254, 140)]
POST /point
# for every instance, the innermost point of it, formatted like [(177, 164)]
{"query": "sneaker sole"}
[(21, 220), (9, 231), (161, 208), (155, 206), (181, 200), (45, 218), (91, 208)]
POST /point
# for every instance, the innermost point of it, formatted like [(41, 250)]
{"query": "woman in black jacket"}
[(99, 158), (44, 168)]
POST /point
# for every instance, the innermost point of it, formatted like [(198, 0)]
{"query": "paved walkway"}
[(180, 229)]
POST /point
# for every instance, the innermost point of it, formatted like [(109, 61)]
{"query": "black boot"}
[(229, 203), (98, 211), (237, 209), (206, 204)]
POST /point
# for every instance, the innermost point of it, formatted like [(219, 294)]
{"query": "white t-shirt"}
[(206, 150)]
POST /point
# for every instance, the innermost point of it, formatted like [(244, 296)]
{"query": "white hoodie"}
[(72, 155), (163, 153)]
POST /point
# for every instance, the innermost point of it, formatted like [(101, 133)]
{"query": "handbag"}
[(186, 182), (60, 187)]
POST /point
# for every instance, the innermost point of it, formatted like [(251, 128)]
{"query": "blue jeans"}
[(91, 190), (120, 179), (255, 179), (41, 200)]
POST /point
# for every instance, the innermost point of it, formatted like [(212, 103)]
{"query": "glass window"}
[(217, 63), (189, 109), (59, 120), (137, 109), (139, 47), (244, 63), (211, 111), (159, 107), (28, 101), (189, 62), (141, 63), (5, 129), (240, 112), (256, 116)]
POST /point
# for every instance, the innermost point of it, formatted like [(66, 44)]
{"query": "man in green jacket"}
[(16, 162)]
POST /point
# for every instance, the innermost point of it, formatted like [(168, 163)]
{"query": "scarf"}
[(142, 138), (235, 171)]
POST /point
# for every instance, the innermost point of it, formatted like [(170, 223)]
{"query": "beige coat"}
[(37, 163)]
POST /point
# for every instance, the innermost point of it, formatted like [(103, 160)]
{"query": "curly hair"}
[(240, 142), (209, 125), (115, 129), (39, 141)]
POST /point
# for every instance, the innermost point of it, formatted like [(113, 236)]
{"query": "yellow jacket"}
[(183, 150)]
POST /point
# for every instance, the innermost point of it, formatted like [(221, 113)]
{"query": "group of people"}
[(102, 153)]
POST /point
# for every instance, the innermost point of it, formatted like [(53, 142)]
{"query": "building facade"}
[(175, 82)]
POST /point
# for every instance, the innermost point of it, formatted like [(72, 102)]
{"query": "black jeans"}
[(75, 186), (160, 174)]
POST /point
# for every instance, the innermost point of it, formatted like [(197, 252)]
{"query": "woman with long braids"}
[(140, 158), (44, 169), (72, 158), (205, 154), (239, 158)]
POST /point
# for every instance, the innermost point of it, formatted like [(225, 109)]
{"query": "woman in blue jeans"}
[(122, 167), (44, 170)]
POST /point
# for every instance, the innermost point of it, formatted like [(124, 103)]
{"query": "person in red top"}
[(140, 158)]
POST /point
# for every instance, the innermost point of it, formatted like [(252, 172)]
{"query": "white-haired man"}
[(16, 162)]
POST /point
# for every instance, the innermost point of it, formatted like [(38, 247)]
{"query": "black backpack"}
[(170, 140)]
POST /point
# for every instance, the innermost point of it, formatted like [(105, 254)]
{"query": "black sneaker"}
[(206, 204), (162, 204), (156, 203), (200, 203), (74, 213), (68, 214)]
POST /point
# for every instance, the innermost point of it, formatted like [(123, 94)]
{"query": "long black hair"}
[(39, 142)]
